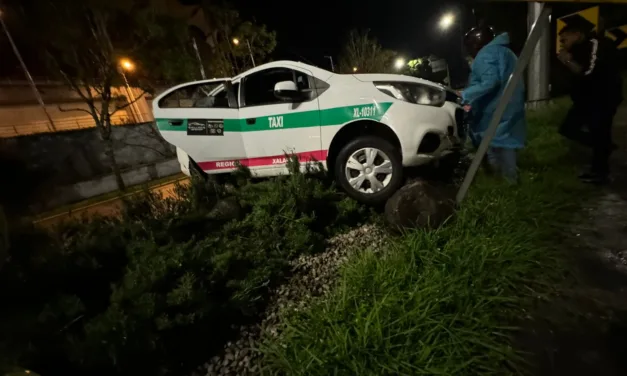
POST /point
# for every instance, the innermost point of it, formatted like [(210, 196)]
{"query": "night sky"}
[(315, 29), (309, 31)]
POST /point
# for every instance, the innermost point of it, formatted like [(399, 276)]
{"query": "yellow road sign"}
[(587, 18), (562, 1), (619, 36)]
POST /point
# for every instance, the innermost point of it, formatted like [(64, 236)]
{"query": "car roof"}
[(317, 72)]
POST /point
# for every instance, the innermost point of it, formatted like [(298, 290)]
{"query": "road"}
[(108, 207)]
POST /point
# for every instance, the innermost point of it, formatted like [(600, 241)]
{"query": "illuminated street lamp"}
[(447, 21), (399, 63), (354, 69), (250, 50), (128, 66)]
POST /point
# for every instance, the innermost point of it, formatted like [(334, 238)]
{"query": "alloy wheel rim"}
[(369, 170)]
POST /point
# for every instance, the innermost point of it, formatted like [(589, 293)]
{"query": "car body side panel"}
[(410, 122), (349, 98)]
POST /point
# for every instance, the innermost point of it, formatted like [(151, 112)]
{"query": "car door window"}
[(258, 88), (204, 95)]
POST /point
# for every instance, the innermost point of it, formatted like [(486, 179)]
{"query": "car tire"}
[(386, 158)]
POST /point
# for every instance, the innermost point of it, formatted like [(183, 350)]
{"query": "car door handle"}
[(176, 122), (251, 121)]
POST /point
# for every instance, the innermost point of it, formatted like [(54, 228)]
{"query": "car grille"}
[(452, 96), (460, 119)]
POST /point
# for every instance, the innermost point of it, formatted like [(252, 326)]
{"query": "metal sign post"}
[(532, 41)]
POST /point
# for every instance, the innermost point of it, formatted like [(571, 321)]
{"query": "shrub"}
[(158, 290)]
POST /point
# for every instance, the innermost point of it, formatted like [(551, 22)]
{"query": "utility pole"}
[(250, 50), (538, 72), (332, 66), (27, 73), (202, 69), (131, 96)]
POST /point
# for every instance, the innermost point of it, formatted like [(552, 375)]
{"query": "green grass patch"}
[(446, 302)]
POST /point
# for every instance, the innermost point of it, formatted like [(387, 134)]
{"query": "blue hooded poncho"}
[(490, 71)]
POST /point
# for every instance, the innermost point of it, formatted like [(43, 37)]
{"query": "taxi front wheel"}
[(369, 169)]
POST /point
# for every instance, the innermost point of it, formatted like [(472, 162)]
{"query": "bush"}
[(160, 289)]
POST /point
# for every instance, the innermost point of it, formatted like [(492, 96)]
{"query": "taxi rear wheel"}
[(369, 169)]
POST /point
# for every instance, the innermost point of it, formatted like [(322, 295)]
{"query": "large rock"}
[(420, 205), (226, 209)]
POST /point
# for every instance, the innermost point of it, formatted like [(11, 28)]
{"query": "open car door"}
[(202, 119)]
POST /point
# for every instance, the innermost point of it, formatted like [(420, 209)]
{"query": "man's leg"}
[(574, 124), (505, 159), (601, 136), (491, 163)]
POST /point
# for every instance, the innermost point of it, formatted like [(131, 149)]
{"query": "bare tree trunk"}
[(167, 147), (108, 146), (105, 137)]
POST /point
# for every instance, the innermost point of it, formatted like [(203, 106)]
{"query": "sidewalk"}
[(108, 204)]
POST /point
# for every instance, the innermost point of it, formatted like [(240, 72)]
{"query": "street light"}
[(399, 63), (354, 69), (447, 21), (250, 50), (128, 66)]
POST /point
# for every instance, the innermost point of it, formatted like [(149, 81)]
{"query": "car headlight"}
[(414, 92)]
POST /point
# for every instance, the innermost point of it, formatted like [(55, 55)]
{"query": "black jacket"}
[(600, 83)]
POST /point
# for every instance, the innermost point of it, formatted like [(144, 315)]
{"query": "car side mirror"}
[(287, 91)]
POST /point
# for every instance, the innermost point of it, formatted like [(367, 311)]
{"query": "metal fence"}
[(43, 126)]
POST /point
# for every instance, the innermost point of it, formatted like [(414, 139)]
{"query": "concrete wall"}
[(69, 166), (69, 194), (21, 114)]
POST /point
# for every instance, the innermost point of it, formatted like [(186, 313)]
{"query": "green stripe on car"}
[(331, 116)]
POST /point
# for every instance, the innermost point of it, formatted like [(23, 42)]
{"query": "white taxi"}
[(363, 127)]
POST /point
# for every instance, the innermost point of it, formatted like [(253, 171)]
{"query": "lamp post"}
[(447, 21), (250, 50), (128, 66), (399, 63), (27, 73)]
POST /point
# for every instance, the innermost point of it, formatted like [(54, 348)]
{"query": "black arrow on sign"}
[(578, 21), (620, 36)]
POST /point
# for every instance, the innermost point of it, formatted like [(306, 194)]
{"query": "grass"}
[(446, 302)]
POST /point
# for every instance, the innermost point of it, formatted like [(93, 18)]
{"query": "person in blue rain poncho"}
[(493, 63)]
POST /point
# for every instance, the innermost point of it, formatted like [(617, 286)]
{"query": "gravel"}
[(313, 276)]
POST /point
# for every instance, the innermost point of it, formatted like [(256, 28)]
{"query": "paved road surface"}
[(109, 207)]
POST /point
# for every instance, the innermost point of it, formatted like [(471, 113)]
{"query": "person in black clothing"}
[(596, 95)]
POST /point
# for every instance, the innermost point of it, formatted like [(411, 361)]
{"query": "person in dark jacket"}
[(596, 94), (493, 64)]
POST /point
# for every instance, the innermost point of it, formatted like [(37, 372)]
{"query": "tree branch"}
[(118, 108), (73, 109)]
